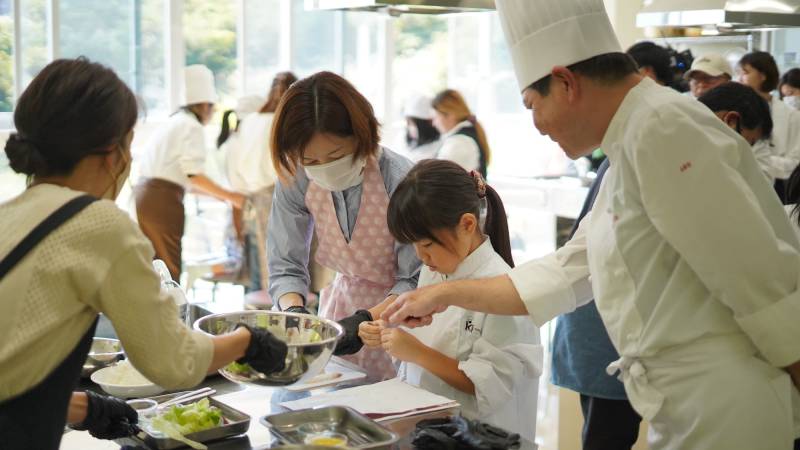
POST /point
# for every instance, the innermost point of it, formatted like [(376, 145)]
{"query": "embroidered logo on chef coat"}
[(472, 328)]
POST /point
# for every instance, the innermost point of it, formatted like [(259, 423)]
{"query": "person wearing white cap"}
[(422, 137), (708, 72), (173, 161), (691, 260)]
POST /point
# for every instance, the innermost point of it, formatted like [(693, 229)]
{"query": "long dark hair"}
[(435, 194), (426, 133), (793, 194), (72, 109), (764, 63), (225, 130)]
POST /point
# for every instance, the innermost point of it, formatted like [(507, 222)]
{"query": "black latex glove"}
[(350, 343), (460, 433), (108, 417), (294, 322), (265, 353)]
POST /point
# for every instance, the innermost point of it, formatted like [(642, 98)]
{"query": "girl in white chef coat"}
[(463, 137), (249, 170), (173, 161), (490, 364), (759, 71)]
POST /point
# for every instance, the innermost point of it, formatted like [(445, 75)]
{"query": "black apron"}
[(35, 419), (472, 132)]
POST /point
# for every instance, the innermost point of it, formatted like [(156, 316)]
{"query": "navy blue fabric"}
[(581, 347)]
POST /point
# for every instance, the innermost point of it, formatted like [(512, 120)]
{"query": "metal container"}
[(103, 353), (236, 423), (291, 428), (310, 340)]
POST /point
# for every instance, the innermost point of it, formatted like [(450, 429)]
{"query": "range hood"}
[(722, 15), (397, 7)]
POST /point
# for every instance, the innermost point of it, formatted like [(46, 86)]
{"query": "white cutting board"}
[(346, 372)]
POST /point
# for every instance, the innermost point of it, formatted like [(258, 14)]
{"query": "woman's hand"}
[(370, 333), (401, 345)]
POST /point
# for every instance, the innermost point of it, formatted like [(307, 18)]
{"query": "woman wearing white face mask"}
[(789, 88), (335, 181), (67, 253)]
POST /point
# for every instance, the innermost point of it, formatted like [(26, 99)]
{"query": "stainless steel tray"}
[(237, 423), (361, 432)]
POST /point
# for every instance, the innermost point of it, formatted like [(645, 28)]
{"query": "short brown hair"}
[(321, 103), (766, 65)]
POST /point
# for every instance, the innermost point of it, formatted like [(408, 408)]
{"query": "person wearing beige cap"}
[(174, 160), (691, 260), (708, 72)]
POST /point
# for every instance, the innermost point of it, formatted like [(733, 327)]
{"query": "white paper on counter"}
[(344, 370), (381, 401)]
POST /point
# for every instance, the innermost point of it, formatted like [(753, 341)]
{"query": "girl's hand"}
[(401, 345), (370, 333)]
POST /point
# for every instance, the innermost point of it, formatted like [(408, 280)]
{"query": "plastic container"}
[(145, 407)]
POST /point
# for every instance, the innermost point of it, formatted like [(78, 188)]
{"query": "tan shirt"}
[(98, 261)]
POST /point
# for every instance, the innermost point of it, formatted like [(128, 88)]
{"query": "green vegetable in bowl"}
[(178, 421), (239, 369)]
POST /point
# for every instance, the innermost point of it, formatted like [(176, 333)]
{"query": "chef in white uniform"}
[(173, 161), (689, 255)]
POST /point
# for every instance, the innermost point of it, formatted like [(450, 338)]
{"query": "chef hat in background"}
[(419, 106), (198, 85), (248, 104), (542, 34)]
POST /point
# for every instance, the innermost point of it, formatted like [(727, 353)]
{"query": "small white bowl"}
[(145, 407), (102, 376)]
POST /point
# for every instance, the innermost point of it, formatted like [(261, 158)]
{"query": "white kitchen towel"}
[(380, 401)]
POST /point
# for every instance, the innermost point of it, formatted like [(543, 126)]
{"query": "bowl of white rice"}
[(124, 381)]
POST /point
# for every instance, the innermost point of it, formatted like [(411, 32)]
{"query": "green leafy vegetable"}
[(178, 421), (239, 369)]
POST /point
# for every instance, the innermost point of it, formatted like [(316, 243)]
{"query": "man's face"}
[(558, 116), (732, 119), (701, 82)]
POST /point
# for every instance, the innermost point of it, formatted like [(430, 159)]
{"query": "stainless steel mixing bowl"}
[(103, 353), (311, 341)]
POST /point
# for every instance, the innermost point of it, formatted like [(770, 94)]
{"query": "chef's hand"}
[(265, 353), (370, 333), (401, 345), (351, 343), (416, 308), (108, 417)]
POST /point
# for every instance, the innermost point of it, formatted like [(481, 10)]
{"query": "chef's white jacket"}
[(780, 155), (461, 149), (176, 150), (694, 267), (501, 355), (248, 157)]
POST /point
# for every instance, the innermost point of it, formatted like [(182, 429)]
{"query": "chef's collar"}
[(460, 126), (616, 128), (474, 262)]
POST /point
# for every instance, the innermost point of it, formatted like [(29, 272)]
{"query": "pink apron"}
[(365, 266)]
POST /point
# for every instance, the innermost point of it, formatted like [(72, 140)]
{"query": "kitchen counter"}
[(255, 402)]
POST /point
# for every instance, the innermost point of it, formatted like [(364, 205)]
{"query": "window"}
[(209, 30), (363, 55), (314, 40), (33, 30), (262, 44)]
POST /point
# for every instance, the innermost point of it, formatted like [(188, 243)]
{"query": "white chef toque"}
[(198, 85), (542, 34), (419, 106)]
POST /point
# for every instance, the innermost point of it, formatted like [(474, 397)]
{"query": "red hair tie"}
[(480, 183)]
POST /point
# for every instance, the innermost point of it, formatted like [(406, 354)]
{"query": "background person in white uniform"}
[(789, 88), (250, 171), (463, 138), (422, 138), (173, 161), (781, 154), (489, 364), (694, 265)]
